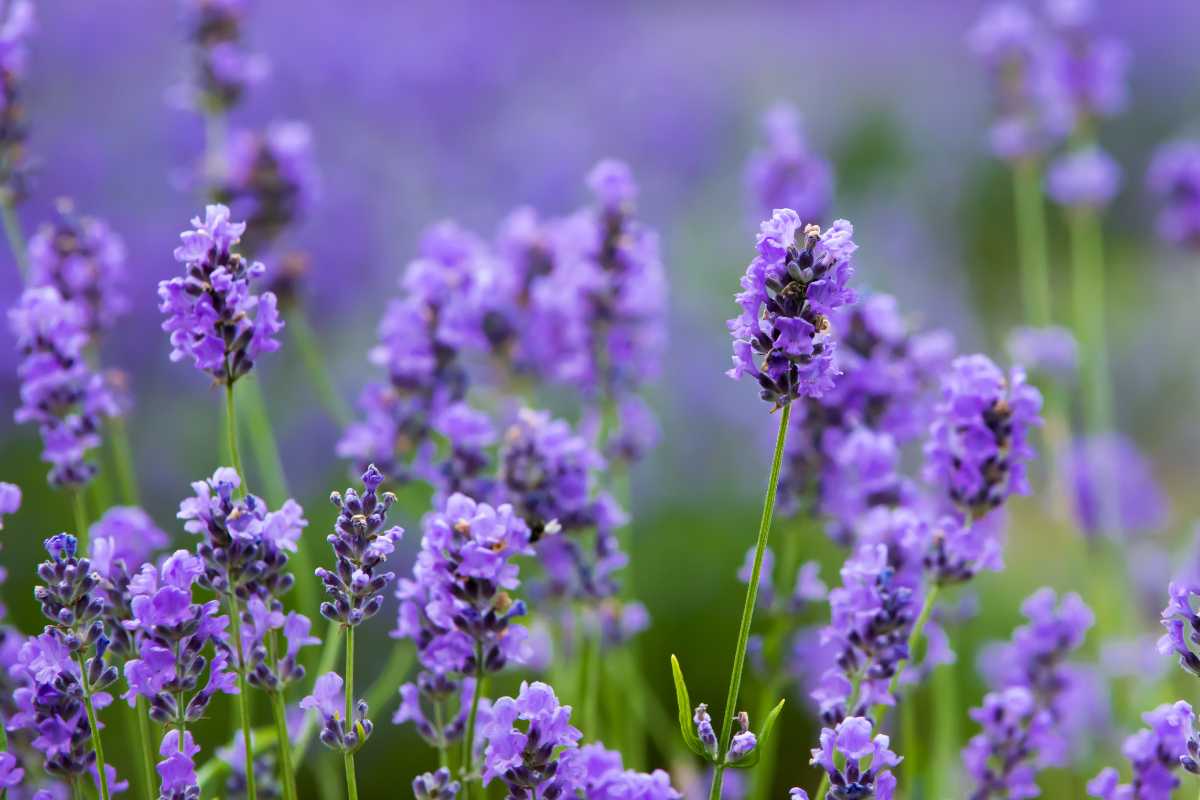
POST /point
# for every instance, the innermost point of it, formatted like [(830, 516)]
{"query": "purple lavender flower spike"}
[(59, 392), (602, 775), (786, 173), (978, 442), (1155, 754), (1174, 178), (224, 68), (1112, 463), (866, 772), (528, 759), (1050, 351), (15, 27), (177, 770), (329, 701), (1084, 179), (704, 729), (120, 540), (361, 544), (1085, 72), (784, 336), (997, 759), (1182, 624), (10, 500), (435, 786), (270, 181), (212, 316), (11, 775), (84, 260)]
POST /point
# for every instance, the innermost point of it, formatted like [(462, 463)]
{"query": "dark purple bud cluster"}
[(270, 180), (72, 601), (271, 667), (52, 705), (435, 786), (360, 544), (329, 700), (224, 69)]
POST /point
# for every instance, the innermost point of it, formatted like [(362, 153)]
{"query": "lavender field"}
[(622, 401)]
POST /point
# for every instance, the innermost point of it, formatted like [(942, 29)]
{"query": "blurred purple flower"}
[(785, 173), (1112, 466), (1086, 178)]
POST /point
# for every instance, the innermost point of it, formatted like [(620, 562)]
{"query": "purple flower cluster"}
[(842, 448), (212, 316), (1052, 73), (177, 770), (531, 747), (978, 442), (1111, 465), (84, 260), (1051, 351), (1155, 754), (224, 68), (1183, 626), (59, 391), (866, 762), (270, 180), (1174, 177), (436, 786), (361, 544), (1029, 718), (328, 699), (123, 538), (784, 337), (786, 173), (1085, 178), (15, 26)]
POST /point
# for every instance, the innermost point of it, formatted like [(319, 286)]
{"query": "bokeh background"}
[(424, 111)]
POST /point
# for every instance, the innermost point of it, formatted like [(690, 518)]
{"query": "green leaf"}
[(685, 712), (764, 733)]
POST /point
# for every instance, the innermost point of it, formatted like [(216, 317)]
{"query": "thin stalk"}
[(439, 723), (946, 709), (215, 769), (79, 507), (285, 753), (912, 747), (585, 688), (147, 747), (1091, 318), (235, 625), (348, 755), (122, 453), (739, 654), (1031, 242), (77, 789), (97, 742), (305, 339), (12, 231), (231, 436), (468, 749)]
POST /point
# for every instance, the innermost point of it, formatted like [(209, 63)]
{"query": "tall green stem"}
[(348, 756), (305, 339), (122, 453), (141, 712), (231, 435), (235, 625), (285, 752), (739, 653), (468, 749), (12, 231), (1088, 298), (1031, 242), (97, 742)]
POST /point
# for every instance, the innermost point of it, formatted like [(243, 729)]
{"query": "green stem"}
[(348, 756), (97, 742), (589, 654), (439, 724), (147, 747), (468, 748), (231, 437), (285, 753), (79, 506), (12, 230), (122, 453), (739, 654), (1091, 319), (1031, 242), (305, 339), (235, 625), (946, 709)]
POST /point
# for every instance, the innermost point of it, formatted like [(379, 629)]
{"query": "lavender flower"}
[(1174, 177), (788, 292), (10, 774), (786, 173), (978, 442), (997, 759), (329, 700), (1183, 626), (602, 776), (1086, 71), (177, 769), (360, 544), (1155, 753), (1088, 178), (866, 772), (1051, 350), (59, 392), (224, 68), (10, 500), (432, 691), (1111, 465), (84, 260), (15, 26), (270, 180), (212, 316), (528, 759), (435, 786)]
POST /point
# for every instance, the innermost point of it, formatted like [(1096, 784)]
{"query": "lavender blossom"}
[(866, 772), (785, 173), (1050, 351), (602, 776), (224, 68), (361, 545), (177, 769), (15, 27), (1155, 753), (528, 759), (1111, 465), (212, 316), (270, 180), (1086, 71), (435, 786), (123, 538), (84, 260), (997, 759), (1174, 178), (784, 337), (10, 500), (329, 701), (978, 442), (59, 392), (1084, 179)]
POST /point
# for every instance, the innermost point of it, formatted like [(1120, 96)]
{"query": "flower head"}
[(786, 173)]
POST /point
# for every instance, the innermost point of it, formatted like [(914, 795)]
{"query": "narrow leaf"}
[(685, 711)]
